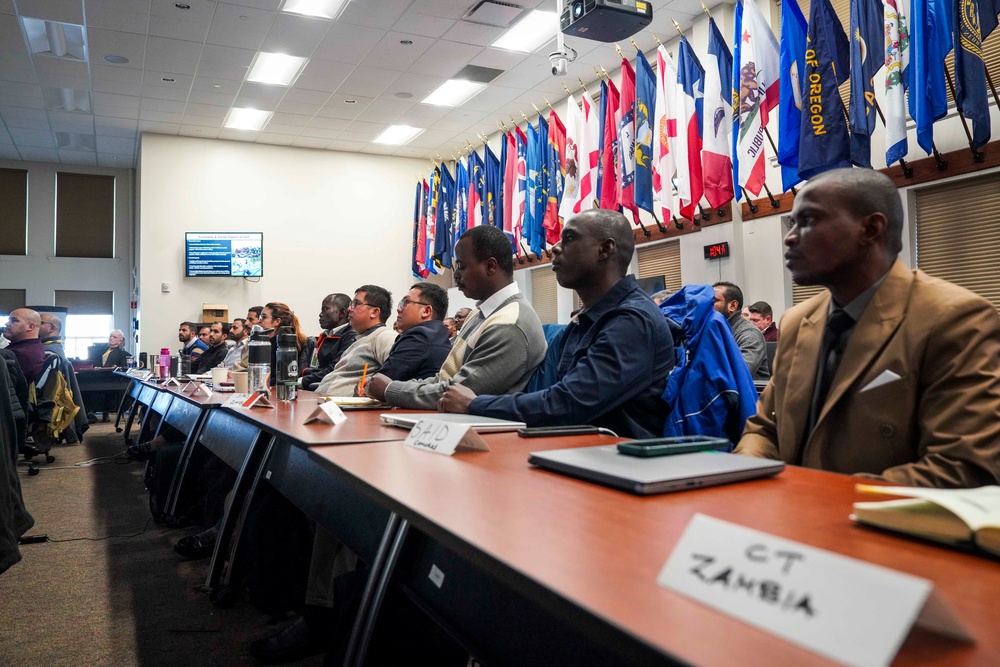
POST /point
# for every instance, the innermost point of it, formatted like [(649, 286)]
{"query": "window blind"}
[(543, 295)]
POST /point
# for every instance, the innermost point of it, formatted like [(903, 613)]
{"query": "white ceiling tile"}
[(166, 106), (337, 106), (206, 110), (302, 108), (117, 73), (445, 59), (10, 34), (199, 132), (64, 11), (105, 42), (416, 84), (116, 88), (162, 47), (58, 72), (319, 133), (527, 75), (113, 161), (176, 28), (411, 151), (67, 156), (295, 35), (473, 33), (219, 86), (262, 91), (348, 43), (390, 54), (491, 98), (5, 136), (159, 117), (362, 137), (329, 123), (16, 67), (36, 101), (242, 27), (291, 120), (275, 139), (204, 121), (158, 128), (122, 101), (379, 149), (215, 99), (199, 12), (270, 5), (227, 55), (222, 71), (9, 152), (164, 92), (385, 110), (24, 118), (116, 112), (323, 75), (344, 145), (35, 154), (498, 59), (368, 81), (278, 128), (451, 9), (374, 14), (121, 16), (114, 127), (36, 138), (238, 135), (115, 144), (432, 139), (423, 24), (422, 115), (259, 103), (310, 142)]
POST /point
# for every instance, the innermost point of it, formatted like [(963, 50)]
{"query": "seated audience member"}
[(115, 355), (205, 333), (337, 336), (239, 335), (216, 353), (253, 316), (761, 316), (193, 345), (461, 315), (452, 328), (423, 344), (890, 373), (661, 296), (500, 344), (50, 333), (22, 332), (616, 356), (729, 302), (367, 314)]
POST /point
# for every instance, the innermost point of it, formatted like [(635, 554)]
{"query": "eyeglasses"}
[(404, 302), (358, 304)]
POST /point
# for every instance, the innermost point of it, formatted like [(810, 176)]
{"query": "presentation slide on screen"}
[(224, 254)]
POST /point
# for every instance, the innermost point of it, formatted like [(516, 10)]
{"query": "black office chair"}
[(772, 349)]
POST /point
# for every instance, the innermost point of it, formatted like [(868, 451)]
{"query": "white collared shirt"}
[(488, 306)]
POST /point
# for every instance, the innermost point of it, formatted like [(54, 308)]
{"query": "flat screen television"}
[(229, 254)]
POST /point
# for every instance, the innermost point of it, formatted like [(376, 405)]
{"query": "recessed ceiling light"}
[(325, 9), (453, 93), (350, 101), (216, 85), (246, 119), (275, 68), (397, 135), (406, 42), (529, 33), (167, 79), (182, 5), (117, 60), (403, 95)]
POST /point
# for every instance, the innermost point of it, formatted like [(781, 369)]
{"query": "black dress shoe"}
[(293, 643), (139, 451), (194, 547)]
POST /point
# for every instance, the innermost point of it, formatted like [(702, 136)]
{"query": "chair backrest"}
[(772, 349)]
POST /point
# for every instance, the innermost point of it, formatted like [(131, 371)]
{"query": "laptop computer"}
[(481, 424), (645, 476)]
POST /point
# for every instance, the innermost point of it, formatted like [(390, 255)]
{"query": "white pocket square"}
[(885, 377)]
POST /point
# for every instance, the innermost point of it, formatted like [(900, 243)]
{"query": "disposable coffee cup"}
[(241, 381), (219, 375)]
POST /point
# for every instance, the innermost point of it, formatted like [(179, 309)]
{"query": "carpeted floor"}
[(127, 600)]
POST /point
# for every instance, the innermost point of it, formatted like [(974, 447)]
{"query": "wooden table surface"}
[(602, 549)]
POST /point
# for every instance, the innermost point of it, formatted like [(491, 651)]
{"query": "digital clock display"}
[(717, 250)]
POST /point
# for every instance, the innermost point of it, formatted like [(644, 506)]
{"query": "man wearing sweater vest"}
[(501, 342)]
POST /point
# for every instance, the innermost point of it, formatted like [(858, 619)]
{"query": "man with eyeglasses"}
[(423, 343), (500, 344)]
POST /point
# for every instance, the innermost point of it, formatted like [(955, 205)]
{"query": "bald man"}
[(615, 356), (22, 332), (50, 333)]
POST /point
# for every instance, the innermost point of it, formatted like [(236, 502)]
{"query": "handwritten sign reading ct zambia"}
[(444, 437), (848, 610)]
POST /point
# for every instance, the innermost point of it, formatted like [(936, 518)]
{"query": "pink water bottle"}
[(164, 363)]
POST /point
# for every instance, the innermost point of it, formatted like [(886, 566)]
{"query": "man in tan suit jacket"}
[(915, 397)]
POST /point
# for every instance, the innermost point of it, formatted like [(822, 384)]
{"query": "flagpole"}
[(976, 155), (774, 202), (993, 88)]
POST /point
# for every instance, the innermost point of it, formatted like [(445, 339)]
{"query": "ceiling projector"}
[(605, 20)]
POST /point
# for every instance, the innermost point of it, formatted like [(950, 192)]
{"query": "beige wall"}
[(331, 222)]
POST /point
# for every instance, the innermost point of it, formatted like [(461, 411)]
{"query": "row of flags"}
[(690, 131)]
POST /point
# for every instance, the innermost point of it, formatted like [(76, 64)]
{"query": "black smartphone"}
[(684, 444), (547, 431)]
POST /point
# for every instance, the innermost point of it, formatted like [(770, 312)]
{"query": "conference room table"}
[(526, 566)]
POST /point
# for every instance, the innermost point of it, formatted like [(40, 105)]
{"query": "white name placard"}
[(445, 438), (203, 389), (189, 388), (171, 381), (254, 400), (327, 412), (854, 612)]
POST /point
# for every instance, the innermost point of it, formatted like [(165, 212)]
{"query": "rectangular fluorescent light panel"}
[(529, 33), (54, 39), (453, 93), (324, 9), (275, 68), (247, 119), (397, 135)]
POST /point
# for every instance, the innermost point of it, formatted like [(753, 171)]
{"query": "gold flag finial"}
[(582, 85), (706, 9), (634, 44), (656, 39), (677, 27), (536, 109), (619, 50), (548, 105), (566, 89)]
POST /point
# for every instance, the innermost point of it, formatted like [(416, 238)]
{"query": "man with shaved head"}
[(889, 373), (22, 332), (615, 356)]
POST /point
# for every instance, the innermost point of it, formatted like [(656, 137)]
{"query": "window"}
[(956, 228), (544, 295), (13, 212), (85, 215), (89, 320)]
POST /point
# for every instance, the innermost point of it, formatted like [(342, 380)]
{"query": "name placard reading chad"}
[(444, 437), (845, 609)]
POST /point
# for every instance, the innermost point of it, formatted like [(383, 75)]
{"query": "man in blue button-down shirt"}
[(616, 356)]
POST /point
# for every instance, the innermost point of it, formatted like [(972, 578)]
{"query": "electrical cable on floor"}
[(29, 539), (119, 458)]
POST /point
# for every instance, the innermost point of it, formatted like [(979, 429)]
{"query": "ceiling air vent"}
[(478, 74), (491, 12)]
